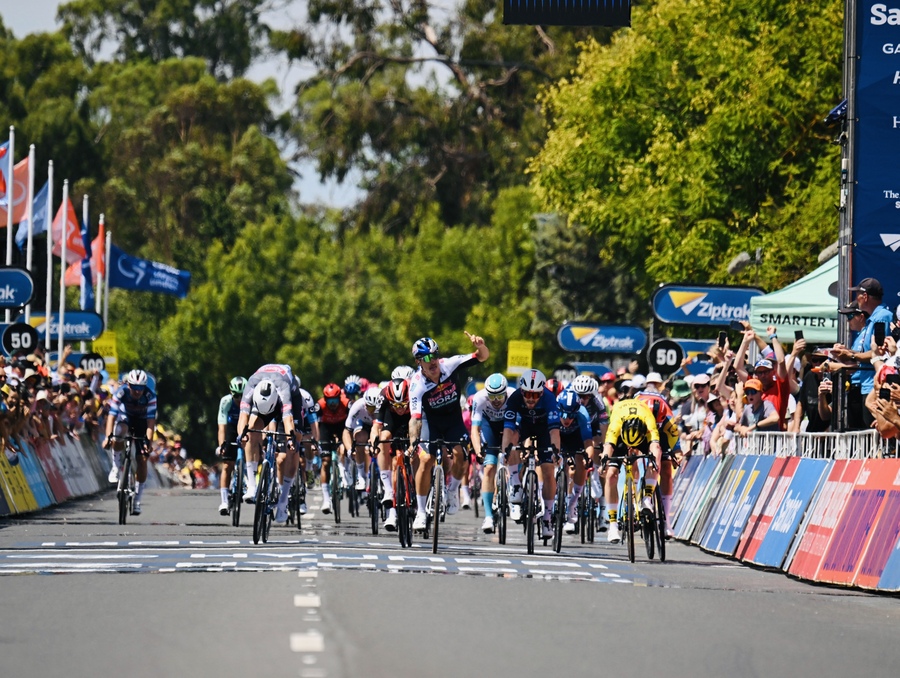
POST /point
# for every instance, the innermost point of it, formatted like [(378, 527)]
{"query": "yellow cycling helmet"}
[(634, 432)]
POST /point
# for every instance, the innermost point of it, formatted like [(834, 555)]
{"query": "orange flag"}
[(19, 192), (98, 265), (74, 246)]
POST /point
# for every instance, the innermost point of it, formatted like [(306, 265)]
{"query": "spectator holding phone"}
[(869, 294)]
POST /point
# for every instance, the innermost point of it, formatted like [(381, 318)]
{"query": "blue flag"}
[(87, 289), (40, 218), (130, 273)]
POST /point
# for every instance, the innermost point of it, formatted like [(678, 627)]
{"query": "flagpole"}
[(29, 214), (48, 302), (61, 320), (106, 281), (10, 200), (87, 225), (98, 300)]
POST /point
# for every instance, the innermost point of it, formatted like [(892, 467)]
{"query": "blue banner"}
[(80, 325), (16, 287), (876, 206), (790, 511), (130, 273), (567, 12), (593, 338), (702, 305)]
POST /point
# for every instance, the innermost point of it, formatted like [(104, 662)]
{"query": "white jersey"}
[(482, 409), (358, 417)]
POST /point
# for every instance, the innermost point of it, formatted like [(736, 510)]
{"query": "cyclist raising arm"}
[(631, 427), (434, 396)]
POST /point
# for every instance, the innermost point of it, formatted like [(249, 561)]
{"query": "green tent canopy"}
[(807, 304)]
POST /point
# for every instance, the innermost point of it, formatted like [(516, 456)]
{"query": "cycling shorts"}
[(571, 442), (397, 424), (329, 432), (453, 432), (620, 451), (229, 451), (491, 436), (542, 434)]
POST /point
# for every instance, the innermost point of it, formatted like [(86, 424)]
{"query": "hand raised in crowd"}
[(825, 387), (799, 346)]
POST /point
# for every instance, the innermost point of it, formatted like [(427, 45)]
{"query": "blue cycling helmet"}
[(568, 402), (496, 384), (423, 347), (352, 388)]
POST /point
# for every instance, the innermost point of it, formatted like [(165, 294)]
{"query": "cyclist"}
[(392, 417), (487, 431), (434, 403), (229, 413), (575, 436), (333, 409), (353, 387), (631, 427), (588, 390), (669, 438), (357, 427), (532, 411), (132, 411), (269, 392), (306, 426)]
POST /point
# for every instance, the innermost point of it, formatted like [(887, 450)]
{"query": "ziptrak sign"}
[(568, 12), (876, 206), (702, 305), (591, 338), (79, 325), (16, 287)]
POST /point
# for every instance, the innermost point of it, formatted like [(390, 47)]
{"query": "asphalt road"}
[(330, 601)]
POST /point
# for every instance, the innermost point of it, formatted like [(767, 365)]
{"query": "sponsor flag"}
[(568, 12), (130, 273), (18, 188), (73, 272), (74, 244), (40, 217), (87, 288), (4, 149)]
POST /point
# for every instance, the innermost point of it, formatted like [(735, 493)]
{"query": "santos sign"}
[(701, 305)]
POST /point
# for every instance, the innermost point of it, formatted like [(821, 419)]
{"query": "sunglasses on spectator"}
[(698, 386), (751, 391)]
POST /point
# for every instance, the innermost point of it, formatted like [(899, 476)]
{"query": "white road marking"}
[(308, 600), (308, 574), (431, 559), (364, 556), (497, 570), (311, 641), (483, 561)]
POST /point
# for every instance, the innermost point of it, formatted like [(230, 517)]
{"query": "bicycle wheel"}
[(336, 489), (122, 491), (530, 502), (502, 509), (260, 516), (560, 516), (629, 517), (648, 529), (300, 483), (660, 523), (401, 502), (372, 500), (584, 511), (591, 518), (237, 493), (438, 480), (475, 489)]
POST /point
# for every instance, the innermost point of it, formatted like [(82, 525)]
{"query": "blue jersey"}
[(581, 424), (545, 413), (123, 403)]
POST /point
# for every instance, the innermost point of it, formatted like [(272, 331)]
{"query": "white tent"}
[(809, 304)]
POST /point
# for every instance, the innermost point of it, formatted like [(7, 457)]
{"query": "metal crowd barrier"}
[(850, 445)]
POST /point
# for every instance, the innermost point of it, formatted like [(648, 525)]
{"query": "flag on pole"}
[(18, 187), (4, 149), (87, 287), (98, 265), (74, 245), (130, 273), (40, 217)]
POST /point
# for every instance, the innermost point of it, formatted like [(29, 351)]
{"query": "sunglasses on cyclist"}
[(532, 395), (332, 401), (136, 388), (497, 399), (400, 406), (428, 358)]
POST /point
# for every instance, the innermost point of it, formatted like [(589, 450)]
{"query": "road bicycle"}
[(375, 498), (587, 507), (532, 505), (631, 519), (125, 490), (500, 505), (353, 495), (475, 471), (267, 489), (331, 448), (404, 490), (236, 486), (435, 504), (298, 492), (565, 461)]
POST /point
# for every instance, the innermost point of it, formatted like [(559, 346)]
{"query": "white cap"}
[(689, 380), (627, 383), (638, 381), (654, 378)]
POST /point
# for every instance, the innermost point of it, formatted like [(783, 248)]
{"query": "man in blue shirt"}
[(869, 294)]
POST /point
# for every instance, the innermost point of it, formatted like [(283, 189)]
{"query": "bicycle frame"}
[(404, 490), (267, 488), (434, 505), (125, 490)]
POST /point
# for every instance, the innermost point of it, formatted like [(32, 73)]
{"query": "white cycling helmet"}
[(265, 397), (373, 397), (136, 378), (585, 384), (532, 380), (402, 372)]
